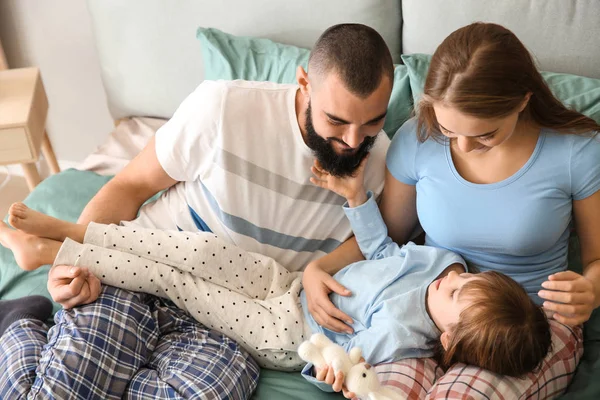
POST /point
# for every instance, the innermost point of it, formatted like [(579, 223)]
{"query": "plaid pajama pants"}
[(423, 379), (124, 345), (99, 351)]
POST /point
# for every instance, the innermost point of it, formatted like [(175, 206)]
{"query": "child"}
[(405, 298)]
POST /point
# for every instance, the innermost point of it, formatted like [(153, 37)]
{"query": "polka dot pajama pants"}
[(247, 296)]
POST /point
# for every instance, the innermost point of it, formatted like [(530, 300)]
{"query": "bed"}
[(151, 59)]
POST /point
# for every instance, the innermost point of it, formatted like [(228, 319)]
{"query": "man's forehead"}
[(334, 85), (348, 107), (354, 118)]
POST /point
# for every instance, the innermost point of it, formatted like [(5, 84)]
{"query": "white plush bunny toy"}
[(360, 378)]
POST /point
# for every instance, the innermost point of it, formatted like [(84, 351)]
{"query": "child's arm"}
[(378, 345), (370, 230), (362, 211)]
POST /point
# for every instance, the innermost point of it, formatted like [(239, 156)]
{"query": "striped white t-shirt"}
[(244, 169)]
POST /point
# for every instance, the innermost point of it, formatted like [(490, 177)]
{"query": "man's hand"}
[(72, 286), (350, 187), (317, 286)]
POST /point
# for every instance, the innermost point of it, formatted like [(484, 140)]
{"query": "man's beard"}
[(340, 165)]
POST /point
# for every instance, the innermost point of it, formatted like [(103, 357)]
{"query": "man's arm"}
[(344, 255), (121, 198), (190, 132)]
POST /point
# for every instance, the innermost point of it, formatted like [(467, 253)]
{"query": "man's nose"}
[(353, 137)]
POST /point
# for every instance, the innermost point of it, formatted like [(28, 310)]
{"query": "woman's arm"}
[(587, 223), (399, 208), (580, 294)]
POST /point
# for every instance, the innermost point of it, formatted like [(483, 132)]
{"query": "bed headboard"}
[(563, 36), (150, 58)]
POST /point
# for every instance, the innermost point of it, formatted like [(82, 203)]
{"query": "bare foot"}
[(31, 252), (36, 223)]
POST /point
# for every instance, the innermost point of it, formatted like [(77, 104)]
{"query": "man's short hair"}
[(357, 53)]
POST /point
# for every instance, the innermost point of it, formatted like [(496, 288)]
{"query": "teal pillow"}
[(417, 65), (579, 93), (576, 92), (233, 57), (62, 196), (400, 106)]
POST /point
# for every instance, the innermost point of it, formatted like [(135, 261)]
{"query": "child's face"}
[(443, 300)]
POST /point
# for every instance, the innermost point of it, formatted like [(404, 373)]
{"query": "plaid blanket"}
[(423, 379)]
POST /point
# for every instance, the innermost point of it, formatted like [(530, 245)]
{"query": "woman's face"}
[(474, 134)]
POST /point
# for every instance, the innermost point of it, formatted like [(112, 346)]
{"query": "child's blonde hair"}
[(502, 330)]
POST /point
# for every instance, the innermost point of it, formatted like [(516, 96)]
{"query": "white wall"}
[(55, 35)]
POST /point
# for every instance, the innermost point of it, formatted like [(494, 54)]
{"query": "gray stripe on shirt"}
[(277, 183), (268, 236)]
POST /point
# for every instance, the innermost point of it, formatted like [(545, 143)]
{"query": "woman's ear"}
[(445, 339), (525, 101)]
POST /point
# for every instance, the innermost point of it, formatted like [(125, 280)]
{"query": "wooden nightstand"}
[(23, 111)]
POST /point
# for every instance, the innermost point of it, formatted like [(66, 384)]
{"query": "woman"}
[(494, 168)]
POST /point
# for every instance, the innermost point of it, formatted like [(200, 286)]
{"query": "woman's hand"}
[(570, 296), (317, 286)]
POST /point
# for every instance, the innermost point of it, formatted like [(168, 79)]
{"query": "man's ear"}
[(302, 78), (445, 339)]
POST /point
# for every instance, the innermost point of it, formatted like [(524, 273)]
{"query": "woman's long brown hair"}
[(484, 70)]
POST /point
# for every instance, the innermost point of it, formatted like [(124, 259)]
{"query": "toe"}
[(18, 210), (13, 221)]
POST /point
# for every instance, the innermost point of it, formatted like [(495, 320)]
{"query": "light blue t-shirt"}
[(388, 292), (519, 226)]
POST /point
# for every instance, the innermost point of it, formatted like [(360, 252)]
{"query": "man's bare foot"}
[(31, 252), (36, 223)]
